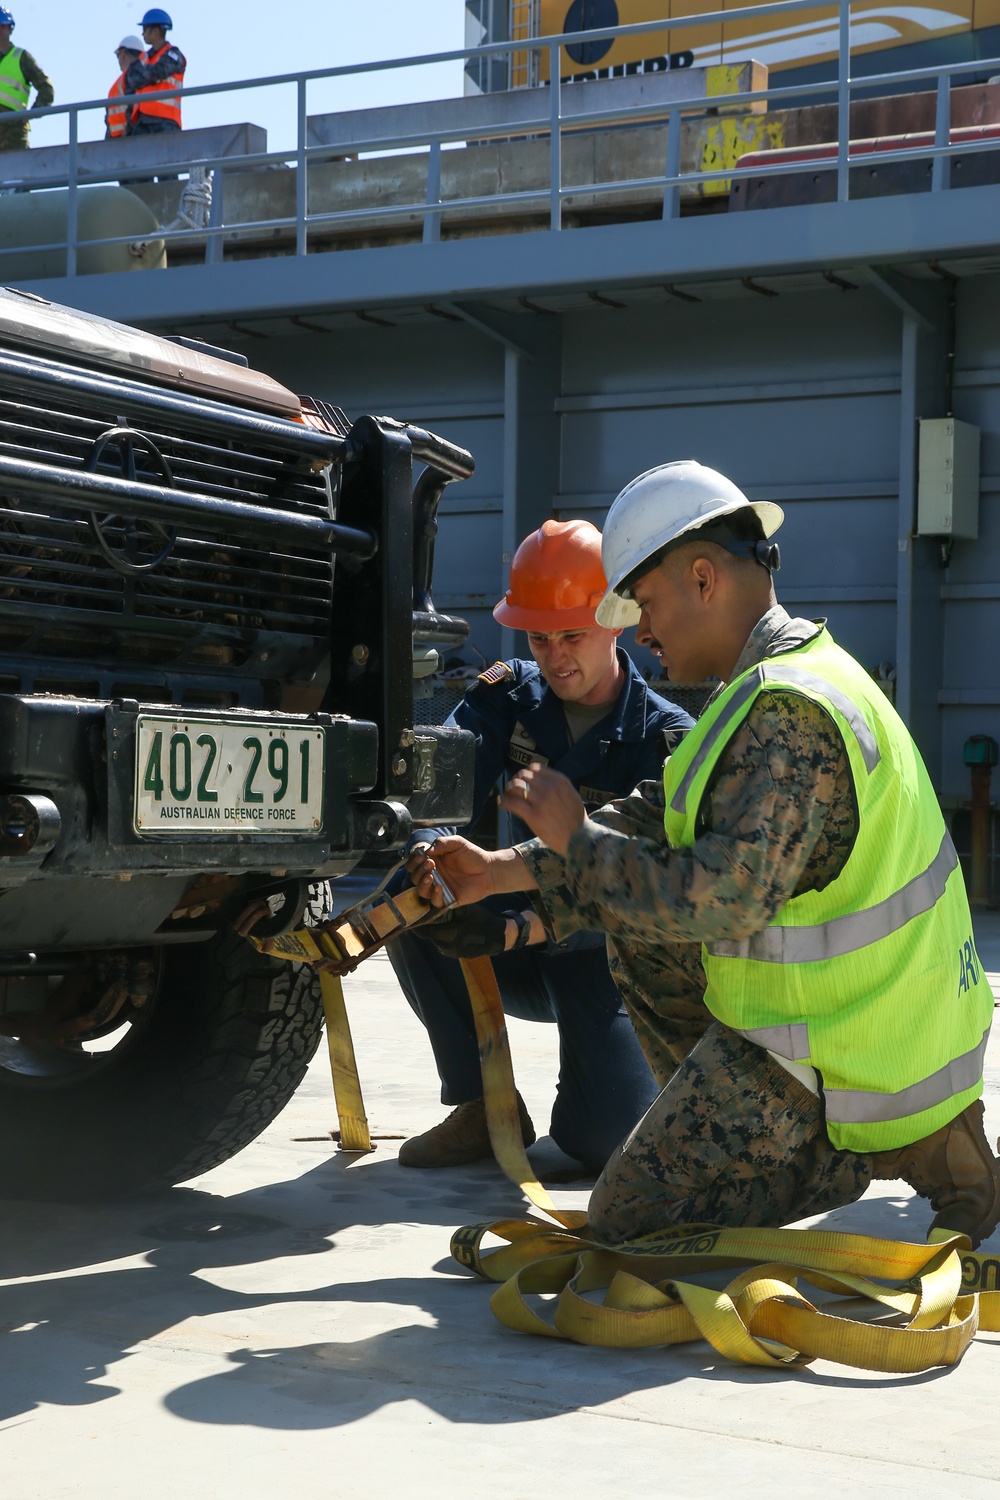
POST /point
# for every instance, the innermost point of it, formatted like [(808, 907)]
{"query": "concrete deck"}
[(291, 1325)]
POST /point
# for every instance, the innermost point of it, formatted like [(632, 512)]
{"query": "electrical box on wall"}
[(948, 478)]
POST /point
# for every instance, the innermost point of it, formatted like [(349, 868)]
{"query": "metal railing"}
[(551, 123)]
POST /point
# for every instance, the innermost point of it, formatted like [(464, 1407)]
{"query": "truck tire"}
[(204, 1067)]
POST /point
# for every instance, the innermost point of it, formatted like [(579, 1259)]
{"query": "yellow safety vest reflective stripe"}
[(14, 88), (873, 981)]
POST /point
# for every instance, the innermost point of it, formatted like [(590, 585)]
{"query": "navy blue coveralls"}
[(604, 1081)]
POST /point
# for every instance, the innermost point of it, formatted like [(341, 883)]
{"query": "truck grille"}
[(212, 601)]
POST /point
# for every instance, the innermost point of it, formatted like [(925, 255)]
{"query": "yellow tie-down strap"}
[(929, 1300), (345, 941), (500, 1092), (351, 1117), (762, 1317), (334, 948)]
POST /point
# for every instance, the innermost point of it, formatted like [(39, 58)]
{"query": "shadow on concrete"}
[(43, 1239), (65, 1329), (328, 1385)]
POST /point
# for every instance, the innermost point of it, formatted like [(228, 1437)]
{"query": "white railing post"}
[(672, 190), (301, 194), (941, 170), (844, 104), (72, 203), (432, 221), (213, 243), (555, 141)]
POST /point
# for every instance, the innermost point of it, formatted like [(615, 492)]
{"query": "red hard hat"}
[(556, 579)]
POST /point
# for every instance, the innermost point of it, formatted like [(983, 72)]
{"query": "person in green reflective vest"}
[(19, 74), (796, 847)]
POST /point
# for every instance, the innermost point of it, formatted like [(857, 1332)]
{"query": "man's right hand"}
[(470, 873)]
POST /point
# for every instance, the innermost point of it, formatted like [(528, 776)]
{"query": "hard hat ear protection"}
[(768, 554)]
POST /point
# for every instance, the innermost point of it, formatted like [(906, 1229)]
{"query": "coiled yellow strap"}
[(930, 1299), (762, 1318)]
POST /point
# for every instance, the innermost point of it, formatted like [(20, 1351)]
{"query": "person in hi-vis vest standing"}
[(161, 66), (19, 74), (797, 839), (128, 51)]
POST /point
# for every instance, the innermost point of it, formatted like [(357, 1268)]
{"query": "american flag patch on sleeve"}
[(499, 672)]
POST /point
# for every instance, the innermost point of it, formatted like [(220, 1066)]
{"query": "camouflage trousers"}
[(14, 134), (732, 1139)]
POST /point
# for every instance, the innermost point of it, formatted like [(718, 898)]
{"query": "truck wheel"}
[(188, 1080)]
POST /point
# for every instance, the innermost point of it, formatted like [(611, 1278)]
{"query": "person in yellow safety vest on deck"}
[(159, 68), (128, 51), (796, 849), (19, 74)]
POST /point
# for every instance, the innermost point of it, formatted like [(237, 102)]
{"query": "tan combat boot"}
[(956, 1170), (460, 1139)]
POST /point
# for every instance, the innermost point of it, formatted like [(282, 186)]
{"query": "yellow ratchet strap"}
[(334, 948), (929, 1300), (351, 1117), (500, 1093)]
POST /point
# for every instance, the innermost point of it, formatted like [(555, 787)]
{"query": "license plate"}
[(227, 776)]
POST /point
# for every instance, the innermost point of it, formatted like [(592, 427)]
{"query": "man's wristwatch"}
[(523, 926)]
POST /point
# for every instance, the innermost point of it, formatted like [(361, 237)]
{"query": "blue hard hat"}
[(6, 17), (157, 18)]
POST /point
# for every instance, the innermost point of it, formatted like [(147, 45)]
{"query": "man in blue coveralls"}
[(583, 709)]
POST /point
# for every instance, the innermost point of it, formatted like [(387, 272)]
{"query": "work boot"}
[(460, 1139), (956, 1170)]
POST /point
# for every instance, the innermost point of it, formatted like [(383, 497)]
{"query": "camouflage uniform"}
[(13, 127), (734, 1136)]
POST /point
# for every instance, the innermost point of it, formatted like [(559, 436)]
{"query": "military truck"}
[(212, 596)]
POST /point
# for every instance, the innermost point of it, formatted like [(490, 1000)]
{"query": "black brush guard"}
[(372, 520)]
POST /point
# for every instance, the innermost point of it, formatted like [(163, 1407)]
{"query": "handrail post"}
[(301, 198), (555, 141), (216, 218), (71, 198), (432, 221), (844, 105), (672, 190), (941, 170)]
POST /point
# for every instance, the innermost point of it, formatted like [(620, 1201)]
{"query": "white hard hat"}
[(657, 508), (130, 43)]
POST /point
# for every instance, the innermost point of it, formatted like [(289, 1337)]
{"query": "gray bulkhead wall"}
[(796, 397), (970, 686)]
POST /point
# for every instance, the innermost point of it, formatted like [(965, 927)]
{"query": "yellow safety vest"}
[(14, 88), (873, 981)]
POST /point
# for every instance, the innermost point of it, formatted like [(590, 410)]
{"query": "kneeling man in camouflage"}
[(797, 841)]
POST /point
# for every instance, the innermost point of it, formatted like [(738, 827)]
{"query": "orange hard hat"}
[(556, 579)]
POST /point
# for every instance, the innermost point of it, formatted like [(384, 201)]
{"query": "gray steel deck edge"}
[(881, 231)]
